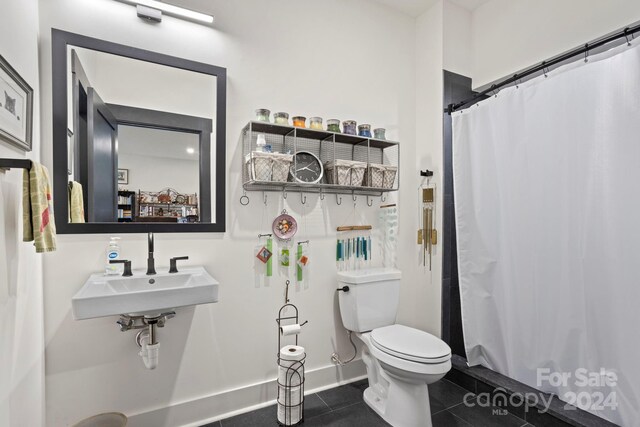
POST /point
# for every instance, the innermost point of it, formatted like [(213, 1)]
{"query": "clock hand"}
[(306, 167)]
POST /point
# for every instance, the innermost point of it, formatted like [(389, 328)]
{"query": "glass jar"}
[(379, 133), (262, 115), (349, 127), (281, 118), (315, 123), (299, 121), (364, 130), (333, 125)]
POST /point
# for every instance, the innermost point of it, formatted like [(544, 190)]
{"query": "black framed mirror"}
[(138, 139)]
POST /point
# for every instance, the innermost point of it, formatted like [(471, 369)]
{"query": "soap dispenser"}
[(113, 253)]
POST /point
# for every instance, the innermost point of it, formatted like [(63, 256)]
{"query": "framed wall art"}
[(16, 108)]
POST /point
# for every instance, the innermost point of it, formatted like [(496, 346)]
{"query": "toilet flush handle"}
[(343, 289)]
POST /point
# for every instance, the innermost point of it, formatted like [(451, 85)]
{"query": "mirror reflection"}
[(139, 138)]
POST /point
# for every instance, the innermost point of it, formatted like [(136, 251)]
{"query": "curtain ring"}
[(493, 91), (626, 36), (338, 202), (586, 52), (304, 201), (515, 77), (284, 193), (369, 202), (264, 196)]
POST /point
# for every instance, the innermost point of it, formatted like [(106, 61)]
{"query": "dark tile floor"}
[(343, 407)]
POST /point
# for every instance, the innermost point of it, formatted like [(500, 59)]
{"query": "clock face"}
[(306, 168)]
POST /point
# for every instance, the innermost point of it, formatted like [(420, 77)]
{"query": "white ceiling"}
[(417, 7), (157, 142)]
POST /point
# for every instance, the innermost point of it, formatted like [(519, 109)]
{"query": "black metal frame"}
[(545, 65), (60, 40)]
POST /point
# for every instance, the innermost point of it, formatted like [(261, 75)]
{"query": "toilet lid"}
[(411, 344)]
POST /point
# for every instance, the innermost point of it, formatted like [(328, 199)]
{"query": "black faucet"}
[(151, 264), (127, 266), (173, 268)]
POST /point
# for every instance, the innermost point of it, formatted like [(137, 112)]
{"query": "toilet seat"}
[(410, 344)]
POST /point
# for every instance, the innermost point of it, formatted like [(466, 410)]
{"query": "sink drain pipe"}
[(149, 347)]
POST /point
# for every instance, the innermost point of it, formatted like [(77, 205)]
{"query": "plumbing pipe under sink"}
[(149, 349)]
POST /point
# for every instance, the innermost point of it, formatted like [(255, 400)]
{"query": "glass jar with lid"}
[(299, 121), (364, 130), (315, 123), (333, 125), (262, 115), (379, 133), (281, 118), (349, 127)]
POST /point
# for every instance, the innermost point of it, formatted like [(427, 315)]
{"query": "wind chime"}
[(427, 233)]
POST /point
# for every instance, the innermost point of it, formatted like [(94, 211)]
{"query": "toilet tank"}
[(372, 299)]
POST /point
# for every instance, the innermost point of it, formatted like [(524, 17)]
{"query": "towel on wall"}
[(37, 209), (76, 203)]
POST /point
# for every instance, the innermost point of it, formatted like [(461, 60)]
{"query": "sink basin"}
[(141, 294)]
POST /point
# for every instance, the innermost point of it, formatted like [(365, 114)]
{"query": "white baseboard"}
[(225, 404)]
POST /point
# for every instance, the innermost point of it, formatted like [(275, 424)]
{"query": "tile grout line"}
[(464, 421), (325, 403)]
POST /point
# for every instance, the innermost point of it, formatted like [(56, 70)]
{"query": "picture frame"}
[(123, 176), (16, 108)]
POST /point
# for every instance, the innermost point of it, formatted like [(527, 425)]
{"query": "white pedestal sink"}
[(141, 294)]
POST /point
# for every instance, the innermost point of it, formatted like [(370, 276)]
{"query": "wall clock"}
[(306, 168)]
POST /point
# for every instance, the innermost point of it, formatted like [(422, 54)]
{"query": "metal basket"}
[(268, 167), (345, 172)]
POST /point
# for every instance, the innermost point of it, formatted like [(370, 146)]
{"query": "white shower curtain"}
[(547, 195)]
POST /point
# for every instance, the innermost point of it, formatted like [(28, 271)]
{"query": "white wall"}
[(152, 173), (423, 309), (511, 35), (221, 357), (21, 306), (457, 39)]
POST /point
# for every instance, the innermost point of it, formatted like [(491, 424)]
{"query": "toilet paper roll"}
[(289, 396), (292, 352), (289, 416), (290, 329), (290, 377)]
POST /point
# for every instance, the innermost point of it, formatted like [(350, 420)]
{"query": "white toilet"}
[(401, 361)]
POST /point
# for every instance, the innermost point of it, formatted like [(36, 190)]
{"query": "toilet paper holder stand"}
[(281, 318), (292, 407)]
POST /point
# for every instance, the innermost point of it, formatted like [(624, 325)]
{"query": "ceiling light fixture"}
[(169, 9)]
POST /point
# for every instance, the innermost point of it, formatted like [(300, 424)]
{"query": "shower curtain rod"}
[(544, 65)]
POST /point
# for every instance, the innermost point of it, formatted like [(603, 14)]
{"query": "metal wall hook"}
[(303, 198), (382, 198), (284, 193), (338, 201), (626, 36), (369, 202), (264, 195), (244, 199), (354, 197), (321, 195)]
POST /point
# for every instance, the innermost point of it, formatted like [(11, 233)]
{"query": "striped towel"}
[(76, 203), (37, 209)]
